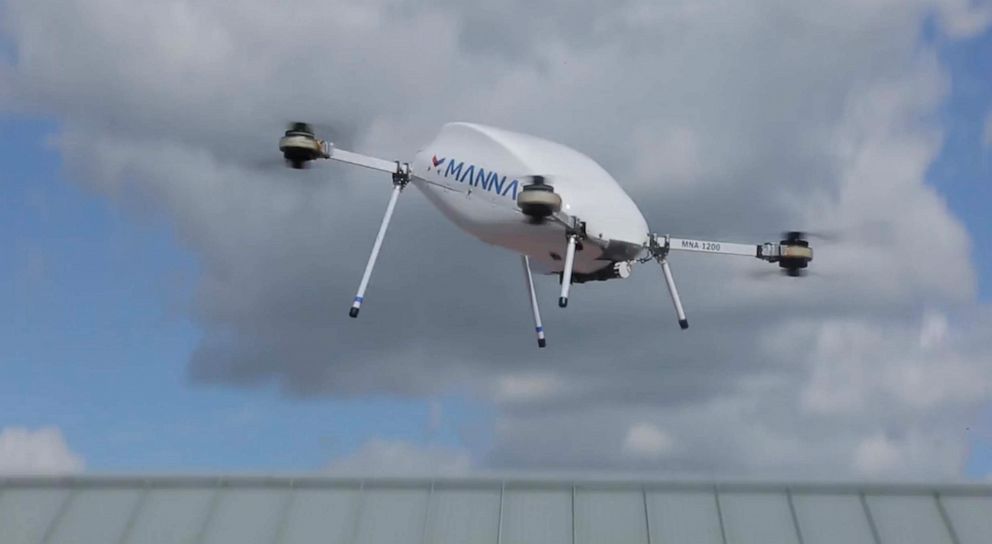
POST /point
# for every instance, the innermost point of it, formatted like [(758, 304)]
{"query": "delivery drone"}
[(551, 204)]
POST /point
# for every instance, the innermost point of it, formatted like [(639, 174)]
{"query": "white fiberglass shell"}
[(473, 174)]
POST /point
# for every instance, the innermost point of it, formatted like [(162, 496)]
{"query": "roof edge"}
[(311, 480)]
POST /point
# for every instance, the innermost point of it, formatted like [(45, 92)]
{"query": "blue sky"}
[(95, 333), (963, 172)]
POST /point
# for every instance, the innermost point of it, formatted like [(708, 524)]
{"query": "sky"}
[(173, 300)]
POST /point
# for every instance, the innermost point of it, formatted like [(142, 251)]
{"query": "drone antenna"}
[(538, 327), (400, 179)]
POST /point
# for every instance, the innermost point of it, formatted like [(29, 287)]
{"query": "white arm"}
[(705, 246), (771, 252), (300, 146), (364, 161)]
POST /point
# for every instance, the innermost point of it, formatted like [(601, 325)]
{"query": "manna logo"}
[(476, 176)]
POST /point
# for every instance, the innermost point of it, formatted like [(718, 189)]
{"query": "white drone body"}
[(551, 204)]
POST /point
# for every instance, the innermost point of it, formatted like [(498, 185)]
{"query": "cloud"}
[(383, 457), (41, 451), (965, 18), (731, 120), (524, 387), (647, 441), (881, 456), (856, 363)]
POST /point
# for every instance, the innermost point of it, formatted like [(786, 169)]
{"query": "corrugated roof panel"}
[(392, 514), (832, 518), (170, 516), (537, 516), (25, 514), (211, 510), (683, 516), (971, 518), (321, 515), (463, 516), (95, 515), (609, 517), (757, 518), (246, 516), (908, 519)]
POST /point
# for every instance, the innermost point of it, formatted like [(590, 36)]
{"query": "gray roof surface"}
[(290, 510)]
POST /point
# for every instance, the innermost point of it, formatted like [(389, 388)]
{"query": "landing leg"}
[(533, 302), (683, 322), (360, 297), (566, 274)]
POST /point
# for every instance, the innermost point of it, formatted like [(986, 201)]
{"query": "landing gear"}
[(538, 326), (658, 248), (400, 179), (674, 292), (566, 273)]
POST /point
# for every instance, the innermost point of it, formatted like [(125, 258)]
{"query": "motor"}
[(299, 146), (538, 200), (795, 254)]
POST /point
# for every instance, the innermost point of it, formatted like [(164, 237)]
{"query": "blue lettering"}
[(452, 169), (468, 174), (513, 185), (476, 176), (496, 183), (482, 179)]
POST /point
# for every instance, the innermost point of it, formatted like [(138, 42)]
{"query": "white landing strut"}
[(566, 273), (356, 305), (683, 322), (538, 327)]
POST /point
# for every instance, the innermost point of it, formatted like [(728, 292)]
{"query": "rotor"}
[(795, 253), (300, 146), (538, 200)]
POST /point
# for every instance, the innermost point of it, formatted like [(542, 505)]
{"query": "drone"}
[(554, 206)]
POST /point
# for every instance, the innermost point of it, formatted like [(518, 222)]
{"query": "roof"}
[(277, 510)]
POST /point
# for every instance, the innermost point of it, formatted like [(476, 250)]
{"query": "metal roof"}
[(290, 510)]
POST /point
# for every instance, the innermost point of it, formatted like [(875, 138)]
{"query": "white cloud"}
[(41, 451), (647, 441), (965, 18), (881, 456), (383, 457), (934, 331), (526, 387), (858, 365), (671, 156)]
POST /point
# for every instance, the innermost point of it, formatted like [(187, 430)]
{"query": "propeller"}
[(299, 145), (538, 200), (769, 273), (792, 266), (871, 231)]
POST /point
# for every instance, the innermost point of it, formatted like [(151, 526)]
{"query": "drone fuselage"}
[(473, 174)]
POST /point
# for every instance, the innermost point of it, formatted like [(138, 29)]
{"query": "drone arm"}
[(365, 161), (706, 246), (771, 252)]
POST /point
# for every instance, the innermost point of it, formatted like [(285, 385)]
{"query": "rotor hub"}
[(795, 253), (299, 145), (538, 200)]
